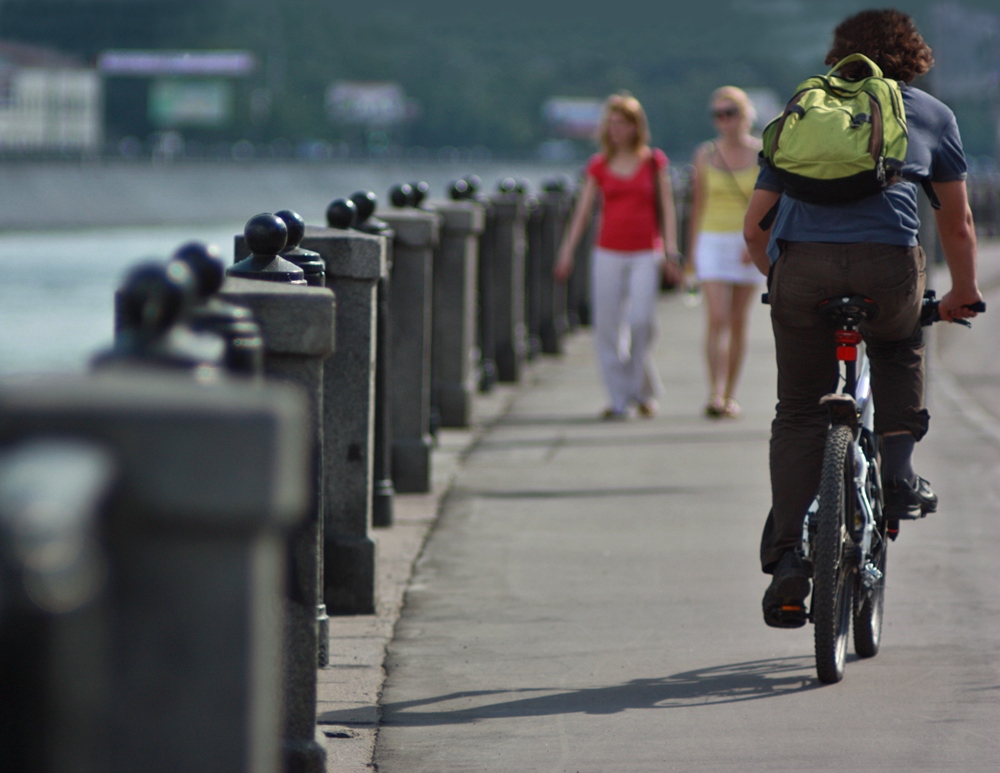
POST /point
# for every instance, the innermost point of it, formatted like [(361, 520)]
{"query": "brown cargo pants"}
[(805, 274)]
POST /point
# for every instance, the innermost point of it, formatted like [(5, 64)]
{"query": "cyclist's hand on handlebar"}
[(955, 305)]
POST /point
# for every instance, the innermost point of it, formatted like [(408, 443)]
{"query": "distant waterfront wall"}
[(36, 196)]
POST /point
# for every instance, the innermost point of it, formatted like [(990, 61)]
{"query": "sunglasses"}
[(726, 112)]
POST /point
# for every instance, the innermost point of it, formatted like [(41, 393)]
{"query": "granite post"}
[(555, 206), (416, 234), (297, 325), (354, 264), (159, 646), (454, 346), (508, 281), (383, 490)]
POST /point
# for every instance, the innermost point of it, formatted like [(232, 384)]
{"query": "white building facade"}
[(49, 103)]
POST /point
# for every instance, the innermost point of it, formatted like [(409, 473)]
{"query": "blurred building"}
[(49, 102)]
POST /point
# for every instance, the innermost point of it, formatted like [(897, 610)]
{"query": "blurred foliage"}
[(479, 73)]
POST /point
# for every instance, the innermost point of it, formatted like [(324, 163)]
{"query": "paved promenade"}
[(587, 594)]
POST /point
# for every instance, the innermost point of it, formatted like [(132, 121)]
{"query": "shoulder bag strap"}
[(657, 197), (729, 172)]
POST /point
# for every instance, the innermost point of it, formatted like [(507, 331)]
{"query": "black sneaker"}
[(785, 598), (908, 501)]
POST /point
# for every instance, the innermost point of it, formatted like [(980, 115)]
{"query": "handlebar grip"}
[(978, 306)]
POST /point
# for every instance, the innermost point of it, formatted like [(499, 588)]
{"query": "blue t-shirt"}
[(933, 151)]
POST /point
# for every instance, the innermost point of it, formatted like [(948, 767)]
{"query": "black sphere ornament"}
[(366, 203), (310, 262), (459, 190), (295, 226), (401, 195), (266, 234), (155, 296), (557, 184), (507, 185), (206, 266), (419, 191), (342, 213), (475, 183)]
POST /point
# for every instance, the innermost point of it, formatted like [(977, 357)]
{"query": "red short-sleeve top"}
[(628, 214)]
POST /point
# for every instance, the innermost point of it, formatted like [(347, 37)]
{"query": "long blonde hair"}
[(627, 106)]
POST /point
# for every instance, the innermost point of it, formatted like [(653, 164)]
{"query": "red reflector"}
[(847, 353), (849, 337)]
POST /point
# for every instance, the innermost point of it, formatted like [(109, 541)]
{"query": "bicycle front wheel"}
[(832, 570)]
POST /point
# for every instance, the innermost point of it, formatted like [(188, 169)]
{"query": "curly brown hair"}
[(889, 38)]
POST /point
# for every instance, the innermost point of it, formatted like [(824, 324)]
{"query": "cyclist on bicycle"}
[(870, 246)]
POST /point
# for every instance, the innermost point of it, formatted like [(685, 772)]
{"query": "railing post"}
[(468, 188), (554, 203), (416, 233), (383, 490), (508, 281), (297, 322), (354, 263), (454, 351), (175, 661)]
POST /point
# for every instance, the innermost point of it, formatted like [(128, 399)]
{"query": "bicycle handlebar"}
[(929, 311)]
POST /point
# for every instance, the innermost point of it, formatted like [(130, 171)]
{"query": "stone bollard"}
[(383, 490), (310, 262), (416, 234), (152, 311), (297, 322), (159, 644), (578, 285), (555, 205), (468, 189), (533, 280), (244, 353), (454, 350), (354, 263), (266, 235), (508, 281)]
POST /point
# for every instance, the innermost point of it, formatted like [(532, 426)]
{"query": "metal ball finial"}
[(265, 234), (342, 213), (401, 195), (296, 227), (206, 266)]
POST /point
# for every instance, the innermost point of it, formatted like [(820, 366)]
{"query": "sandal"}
[(648, 409), (716, 407), (731, 409)]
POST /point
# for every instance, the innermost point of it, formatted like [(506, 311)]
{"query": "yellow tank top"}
[(726, 198)]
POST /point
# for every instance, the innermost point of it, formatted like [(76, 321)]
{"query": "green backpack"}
[(839, 140)]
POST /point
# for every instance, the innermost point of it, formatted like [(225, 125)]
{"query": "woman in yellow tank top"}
[(725, 171)]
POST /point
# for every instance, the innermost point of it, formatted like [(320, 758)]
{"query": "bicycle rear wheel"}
[(868, 614), (833, 574), (869, 602)]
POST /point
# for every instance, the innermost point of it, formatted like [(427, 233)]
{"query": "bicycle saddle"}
[(848, 308)]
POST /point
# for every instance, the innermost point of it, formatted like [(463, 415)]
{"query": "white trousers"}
[(625, 287)]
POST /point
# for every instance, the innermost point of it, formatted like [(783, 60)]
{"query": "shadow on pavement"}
[(712, 686)]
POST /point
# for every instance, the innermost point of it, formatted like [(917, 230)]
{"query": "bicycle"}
[(845, 535)]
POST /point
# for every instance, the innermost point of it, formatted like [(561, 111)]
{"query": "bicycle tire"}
[(868, 615), (832, 607), (869, 605)]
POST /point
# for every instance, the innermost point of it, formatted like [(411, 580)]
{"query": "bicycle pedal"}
[(788, 616)]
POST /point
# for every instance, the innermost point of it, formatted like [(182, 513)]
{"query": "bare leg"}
[(739, 325), (717, 306)]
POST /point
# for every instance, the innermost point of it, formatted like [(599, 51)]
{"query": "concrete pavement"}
[(584, 577)]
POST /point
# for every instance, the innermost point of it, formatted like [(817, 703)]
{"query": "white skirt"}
[(718, 257)]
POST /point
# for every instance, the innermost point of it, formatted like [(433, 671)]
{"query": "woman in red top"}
[(629, 254)]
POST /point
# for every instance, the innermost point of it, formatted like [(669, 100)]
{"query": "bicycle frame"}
[(851, 404)]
